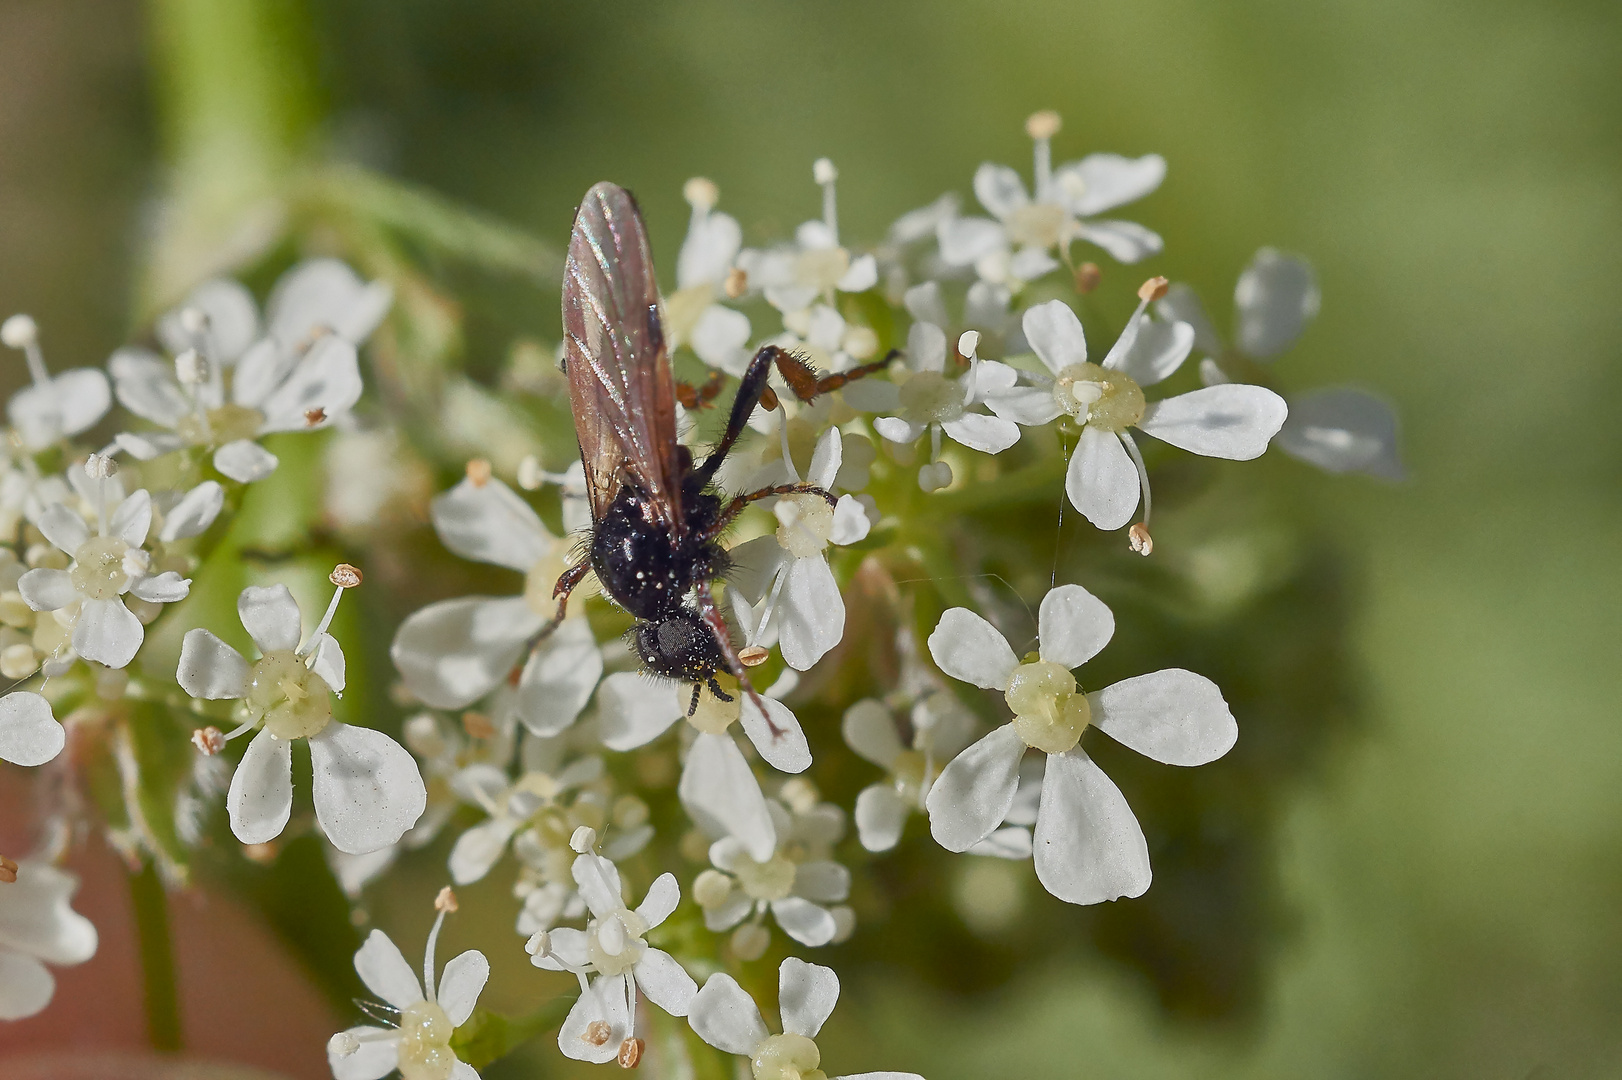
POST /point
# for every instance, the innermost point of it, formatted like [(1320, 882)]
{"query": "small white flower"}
[(367, 788), (931, 401), (107, 565), (53, 406), (796, 884), (1106, 472), (938, 728), (38, 927), (219, 319), (535, 801), (789, 569), (822, 336), (453, 652), (1088, 845), (1016, 247), (694, 315), (324, 296), (611, 947), (727, 1018), (29, 733), (1338, 429), (429, 1014), (815, 266)]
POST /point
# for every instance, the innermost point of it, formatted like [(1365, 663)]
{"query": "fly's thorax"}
[(1106, 399), (929, 397), (1050, 711), (98, 570), (786, 1057), (293, 701), (425, 1043), (804, 524), (220, 425)]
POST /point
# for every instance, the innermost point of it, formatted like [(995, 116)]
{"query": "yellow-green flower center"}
[(220, 425), (425, 1043), (908, 772), (787, 1057), (804, 524), (1050, 712), (294, 701), (1104, 398), (98, 568), (1037, 225), (928, 397), (615, 944), (543, 577), (713, 716), (769, 880), (682, 309), (821, 268)]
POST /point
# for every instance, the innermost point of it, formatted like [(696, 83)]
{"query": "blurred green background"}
[(1453, 878)]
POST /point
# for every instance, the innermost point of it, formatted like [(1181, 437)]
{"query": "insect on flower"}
[(656, 522)]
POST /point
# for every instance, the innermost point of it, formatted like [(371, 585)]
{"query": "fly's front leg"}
[(735, 507), (711, 614), (567, 581)]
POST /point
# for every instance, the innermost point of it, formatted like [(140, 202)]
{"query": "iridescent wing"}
[(620, 386)]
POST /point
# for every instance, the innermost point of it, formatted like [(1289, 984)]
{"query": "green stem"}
[(157, 958)]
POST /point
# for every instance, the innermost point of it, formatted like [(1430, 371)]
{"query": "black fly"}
[(656, 520)]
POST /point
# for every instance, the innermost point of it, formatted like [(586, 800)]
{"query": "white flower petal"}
[(923, 302), (132, 519), (968, 648), (453, 652), (1088, 846), (488, 522), (377, 1057), (327, 661), (722, 796), (368, 791), (726, 1017), (806, 996), (966, 240), (599, 882), (194, 513), (1157, 349), (1343, 430), (1182, 304), (46, 590), (244, 461), (872, 396), (851, 525), (386, 973), (209, 668), (665, 982), (37, 916), (262, 368), (146, 386), (987, 434), (1010, 842), (165, 588), (786, 751), (29, 734), (1073, 625), (62, 527), (261, 796), (461, 983), (1101, 480), (1031, 406), (862, 275), (1030, 263), (811, 613), (1173, 716), (881, 815), (633, 709), (826, 459), (999, 189), (326, 379), (706, 254), (107, 632), (972, 795), (66, 404), (1055, 335), (926, 347), (897, 430), (663, 896), (479, 848), (870, 730), (1234, 421), (805, 922), (1126, 240), (270, 615), (26, 986), (607, 1000), (559, 677), (1109, 180), (325, 294), (231, 321), (822, 880), (720, 338), (1275, 298)]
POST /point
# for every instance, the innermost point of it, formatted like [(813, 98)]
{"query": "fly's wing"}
[(620, 386)]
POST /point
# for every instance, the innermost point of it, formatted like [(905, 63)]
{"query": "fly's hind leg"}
[(566, 583)]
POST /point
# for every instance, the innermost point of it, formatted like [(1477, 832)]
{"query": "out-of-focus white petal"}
[(194, 513), (726, 1017), (1088, 846), (461, 983), (29, 734), (881, 814), (270, 616), (146, 386), (822, 880), (1101, 481), (970, 649), (368, 791), (999, 189), (965, 240), (1156, 350), (324, 294), (1030, 263), (479, 848), (633, 709), (209, 668), (231, 321), (1055, 335), (870, 730), (26, 986), (245, 461), (386, 972), (261, 796), (1233, 421), (1108, 181), (1173, 716), (1343, 430), (721, 794), (488, 522), (897, 430), (972, 795), (1182, 304), (862, 275), (806, 995), (1010, 842), (107, 632), (323, 385), (1277, 295), (720, 338), (786, 750), (1125, 240), (453, 652), (559, 677), (706, 254), (1073, 625), (805, 922), (926, 347)]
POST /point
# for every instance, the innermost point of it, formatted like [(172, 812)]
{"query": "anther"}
[(19, 331), (1088, 275), (597, 1032), (753, 656), (210, 740), (8, 870), (191, 369), (737, 283), (1153, 289), (630, 1055), (823, 171), (539, 943), (446, 900), (100, 467), (700, 193), (478, 725), (478, 472), (1138, 536), (342, 1044), (314, 416), (345, 576), (583, 840), (1043, 125), (968, 343)]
